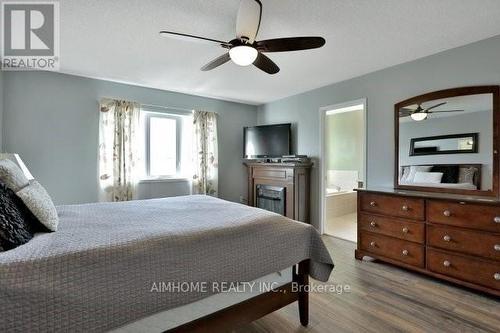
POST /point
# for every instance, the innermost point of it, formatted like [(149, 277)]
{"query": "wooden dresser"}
[(448, 236)]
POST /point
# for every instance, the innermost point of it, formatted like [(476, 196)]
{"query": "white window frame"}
[(147, 147)]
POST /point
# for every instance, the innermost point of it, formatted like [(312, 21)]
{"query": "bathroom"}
[(344, 168)]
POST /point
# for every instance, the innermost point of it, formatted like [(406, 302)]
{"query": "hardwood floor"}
[(384, 298)]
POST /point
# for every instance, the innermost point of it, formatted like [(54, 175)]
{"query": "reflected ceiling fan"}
[(420, 113), (244, 50)]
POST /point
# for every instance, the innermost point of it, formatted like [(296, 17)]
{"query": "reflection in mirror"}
[(444, 144), (447, 143)]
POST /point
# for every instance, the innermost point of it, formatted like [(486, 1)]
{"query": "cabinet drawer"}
[(481, 217), (389, 226), (410, 208), (466, 241), (479, 271), (272, 173), (397, 249)]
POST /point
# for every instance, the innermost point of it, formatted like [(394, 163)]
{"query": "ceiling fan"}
[(421, 114), (245, 50)]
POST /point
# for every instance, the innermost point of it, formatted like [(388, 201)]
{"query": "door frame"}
[(322, 152)]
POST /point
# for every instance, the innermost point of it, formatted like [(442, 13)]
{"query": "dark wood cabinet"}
[(294, 178), (454, 237)]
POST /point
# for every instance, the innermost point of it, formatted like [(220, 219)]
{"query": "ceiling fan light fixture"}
[(418, 116), (243, 55)]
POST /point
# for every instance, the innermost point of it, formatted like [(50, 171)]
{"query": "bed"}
[(97, 272), (449, 181)]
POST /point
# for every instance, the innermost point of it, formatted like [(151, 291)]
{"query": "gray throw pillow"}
[(12, 175), (38, 201)]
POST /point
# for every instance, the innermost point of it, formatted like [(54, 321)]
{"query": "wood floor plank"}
[(385, 298)]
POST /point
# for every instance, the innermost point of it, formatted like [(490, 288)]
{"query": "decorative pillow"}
[(417, 168), (466, 175), (12, 175), (17, 224), (36, 198), (405, 171), (428, 177), (450, 173)]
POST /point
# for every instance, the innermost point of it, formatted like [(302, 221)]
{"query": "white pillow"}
[(12, 175), (38, 201), (428, 177), (414, 169)]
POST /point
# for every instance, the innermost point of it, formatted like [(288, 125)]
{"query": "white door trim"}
[(322, 153)]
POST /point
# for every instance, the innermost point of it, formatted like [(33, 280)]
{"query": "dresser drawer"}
[(274, 173), (466, 241), (481, 217), (400, 250), (390, 226), (410, 208), (479, 271)]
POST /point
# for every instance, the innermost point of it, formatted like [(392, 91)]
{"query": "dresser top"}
[(432, 195)]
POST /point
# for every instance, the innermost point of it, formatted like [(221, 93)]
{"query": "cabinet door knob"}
[(373, 244), (497, 219), (405, 208), (496, 276), (405, 230), (373, 203), (447, 213), (405, 252), (446, 263), (497, 247), (447, 238), (373, 224)]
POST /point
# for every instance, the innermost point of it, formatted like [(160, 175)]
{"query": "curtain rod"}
[(161, 106)]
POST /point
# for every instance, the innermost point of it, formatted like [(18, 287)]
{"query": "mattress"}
[(96, 272)]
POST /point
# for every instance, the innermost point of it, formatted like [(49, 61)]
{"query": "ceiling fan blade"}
[(405, 113), (192, 37), (248, 20), (290, 44), (216, 62), (267, 65), (446, 111), (435, 106)]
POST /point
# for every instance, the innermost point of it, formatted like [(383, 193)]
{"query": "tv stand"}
[(293, 178)]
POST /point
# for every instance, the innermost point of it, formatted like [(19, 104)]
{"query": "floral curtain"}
[(118, 149), (205, 154)]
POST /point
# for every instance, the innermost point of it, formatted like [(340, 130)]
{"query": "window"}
[(167, 144)]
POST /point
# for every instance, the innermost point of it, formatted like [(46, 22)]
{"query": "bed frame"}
[(256, 307)]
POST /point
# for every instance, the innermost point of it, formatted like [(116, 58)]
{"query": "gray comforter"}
[(97, 271)]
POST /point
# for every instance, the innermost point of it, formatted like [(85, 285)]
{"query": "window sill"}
[(164, 180)]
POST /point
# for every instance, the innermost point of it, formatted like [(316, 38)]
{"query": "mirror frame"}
[(447, 93)]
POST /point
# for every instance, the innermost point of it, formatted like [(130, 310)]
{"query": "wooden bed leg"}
[(302, 279)]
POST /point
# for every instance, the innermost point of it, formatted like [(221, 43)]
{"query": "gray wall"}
[(51, 120), (1, 107), (473, 64), (476, 122)]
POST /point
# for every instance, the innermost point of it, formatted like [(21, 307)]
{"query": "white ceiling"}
[(118, 40)]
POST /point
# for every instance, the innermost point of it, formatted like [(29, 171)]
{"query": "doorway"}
[(343, 166)]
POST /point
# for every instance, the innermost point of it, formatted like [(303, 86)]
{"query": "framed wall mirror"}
[(447, 141)]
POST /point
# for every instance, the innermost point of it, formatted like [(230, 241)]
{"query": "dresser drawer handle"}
[(373, 204), (446, 263), (447, 213), (373, 224), (405, 252), (497, 247), (496, 276), (373, 244), (447, 238), (497, 219), (405, 230), (405, 208)]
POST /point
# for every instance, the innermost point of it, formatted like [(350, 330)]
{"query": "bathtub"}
[(340, 202)]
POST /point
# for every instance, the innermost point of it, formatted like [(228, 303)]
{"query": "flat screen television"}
[(269, 141)]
